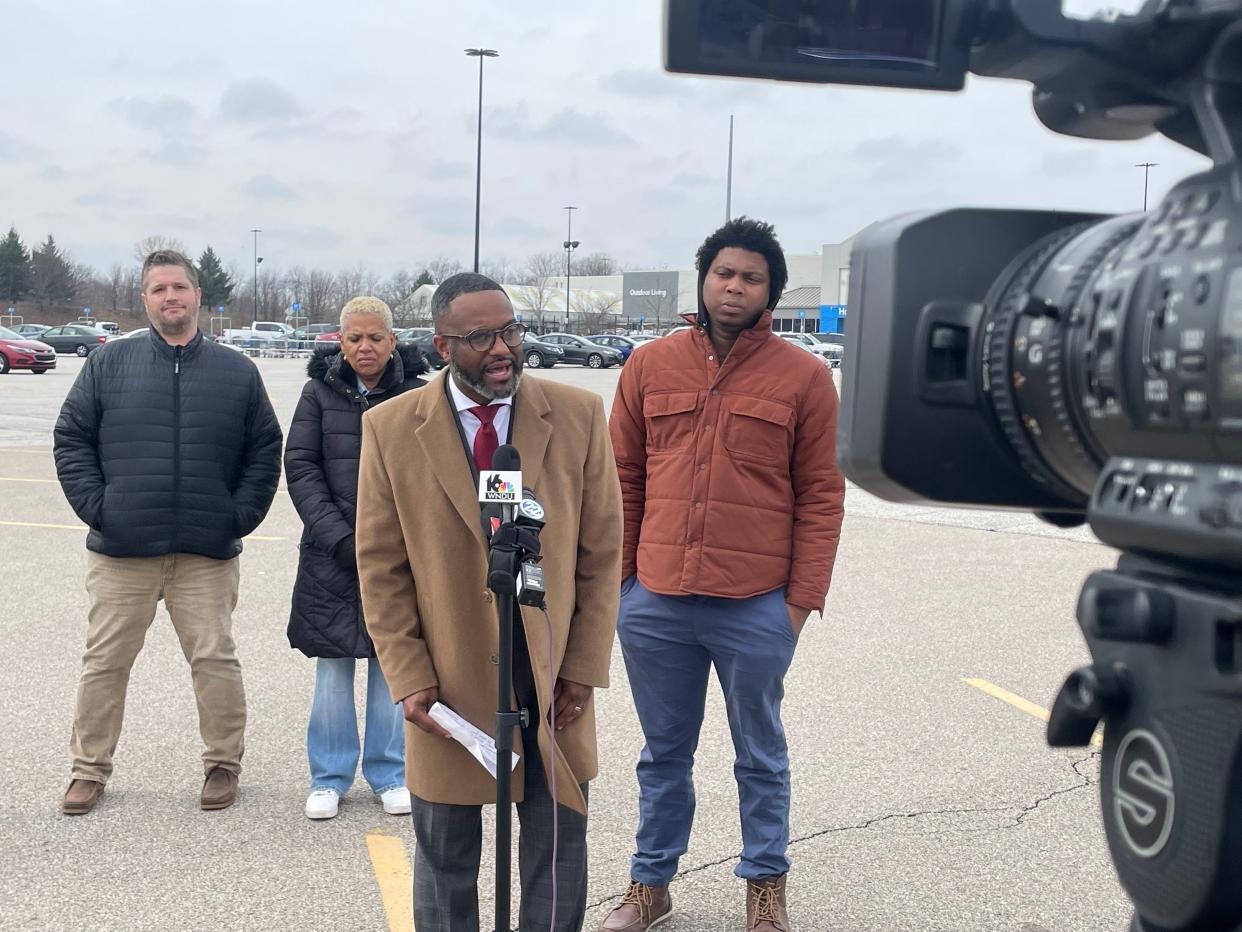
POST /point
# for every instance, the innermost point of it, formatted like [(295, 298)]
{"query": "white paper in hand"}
[(478, 743)]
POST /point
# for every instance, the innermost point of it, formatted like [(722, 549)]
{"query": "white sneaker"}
[(396, 801), (322, 804)]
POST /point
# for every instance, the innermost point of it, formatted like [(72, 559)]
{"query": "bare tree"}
[(399, 286), (312, 288), (597, 263), (116, 280), (442, 268), (350, 283), (273, 295), (596, 310), (538, 285), (149, 244), (499, 270)]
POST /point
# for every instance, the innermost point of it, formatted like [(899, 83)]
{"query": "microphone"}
[(500, 488), (506, 459)]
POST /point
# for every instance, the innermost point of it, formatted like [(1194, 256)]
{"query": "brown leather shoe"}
[(81, 797), (219, 789), (641, 908), (765, 905)]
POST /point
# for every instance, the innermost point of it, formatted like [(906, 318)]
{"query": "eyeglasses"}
[(482, 340)]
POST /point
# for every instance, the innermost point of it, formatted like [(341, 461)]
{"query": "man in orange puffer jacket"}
[(725, 443)]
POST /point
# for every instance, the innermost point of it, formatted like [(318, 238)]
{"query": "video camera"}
[(1081, 366)]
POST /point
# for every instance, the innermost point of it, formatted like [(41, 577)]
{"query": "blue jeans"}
[(669, 644), (332, 735)]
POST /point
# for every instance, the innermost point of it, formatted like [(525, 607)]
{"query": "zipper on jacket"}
[(176, 446)]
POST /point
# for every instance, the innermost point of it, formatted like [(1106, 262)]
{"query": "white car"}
[(830, 351)]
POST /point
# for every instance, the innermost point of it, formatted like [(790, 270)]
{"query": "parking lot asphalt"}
[(922, 801)]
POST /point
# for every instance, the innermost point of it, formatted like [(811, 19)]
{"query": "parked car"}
[(74, 338), (19, 352), (423, 339), (583, 351), (808, 341), (31, 331), (110, 325), (331, 336), (820, 356), (304, 337), (623, 345), (836, 346), (539, 354), (678, 329), (260, 333), (129, 334)]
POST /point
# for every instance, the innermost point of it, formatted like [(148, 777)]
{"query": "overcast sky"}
[(346, 132)]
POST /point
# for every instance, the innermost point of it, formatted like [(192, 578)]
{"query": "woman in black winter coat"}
[(321, 467)]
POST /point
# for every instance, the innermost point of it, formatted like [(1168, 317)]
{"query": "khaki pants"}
[(200, 594)]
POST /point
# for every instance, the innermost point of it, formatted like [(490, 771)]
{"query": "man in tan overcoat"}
[(422, 564)]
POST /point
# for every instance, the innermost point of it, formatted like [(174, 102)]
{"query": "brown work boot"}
[(765, 905), (641, 908), (81, 797), (219, 789)]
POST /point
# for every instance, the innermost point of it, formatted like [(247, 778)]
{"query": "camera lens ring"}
[(1005, 303), (1055, 395)]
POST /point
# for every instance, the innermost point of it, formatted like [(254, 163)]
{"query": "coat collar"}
[(165, 348), (437, 434)]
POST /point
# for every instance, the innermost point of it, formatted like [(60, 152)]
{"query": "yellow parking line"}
[(392, 875), (1024, 705)]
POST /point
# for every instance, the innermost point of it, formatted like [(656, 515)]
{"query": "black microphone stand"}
[(511, 545), (503, 562)]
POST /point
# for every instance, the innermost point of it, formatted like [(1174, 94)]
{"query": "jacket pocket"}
[(758, 429), (669, 417)]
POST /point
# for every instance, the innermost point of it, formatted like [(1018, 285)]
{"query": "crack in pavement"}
[(1085, 781)]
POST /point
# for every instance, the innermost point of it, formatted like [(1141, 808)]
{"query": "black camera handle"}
[(1166, 682)]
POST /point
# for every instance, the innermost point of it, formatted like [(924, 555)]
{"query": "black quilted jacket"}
[(321, 468), (164, 449)]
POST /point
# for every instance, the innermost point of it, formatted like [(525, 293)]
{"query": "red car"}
[(18, 352), (333, 336)]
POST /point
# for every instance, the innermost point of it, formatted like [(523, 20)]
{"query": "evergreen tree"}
[(424, 278), (14, 268), (216, 283), (52, 278)]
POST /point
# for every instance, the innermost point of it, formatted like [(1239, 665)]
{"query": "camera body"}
[(1080, 366)]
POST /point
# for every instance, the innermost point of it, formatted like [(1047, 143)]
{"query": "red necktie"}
[(485, 441)]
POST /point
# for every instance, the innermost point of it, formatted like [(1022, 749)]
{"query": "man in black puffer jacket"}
[(168, 449), (321, 466)]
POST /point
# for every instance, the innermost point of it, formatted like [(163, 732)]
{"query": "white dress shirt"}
[(469, 423)]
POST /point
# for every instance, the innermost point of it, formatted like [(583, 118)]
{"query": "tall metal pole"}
[(255, 311), (729, 181), (480, 54), (569, 258), (1147, 167)]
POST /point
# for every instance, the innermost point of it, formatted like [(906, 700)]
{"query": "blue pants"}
[(669, 643), (332, 735)]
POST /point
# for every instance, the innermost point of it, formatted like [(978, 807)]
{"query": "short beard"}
[(480, 386)]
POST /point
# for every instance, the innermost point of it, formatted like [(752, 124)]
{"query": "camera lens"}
[(1051, 351)]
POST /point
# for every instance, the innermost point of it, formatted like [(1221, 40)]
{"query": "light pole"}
[(480, 54), (729, 176), (254, 315), (570, 245), (1147, 167)]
